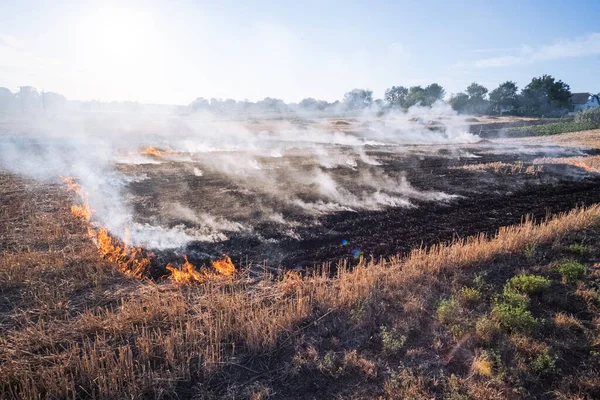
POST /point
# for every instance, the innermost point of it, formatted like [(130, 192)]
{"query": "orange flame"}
[(83, 211), (224, 266), (583, 166), (72, 185), (129, 259), (154, 151), (187, 273)]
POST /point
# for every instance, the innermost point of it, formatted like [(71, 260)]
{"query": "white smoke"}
[(289, 163)]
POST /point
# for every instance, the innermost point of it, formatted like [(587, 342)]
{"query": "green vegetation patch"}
[(572, 271), (552, 129), (527, 284)]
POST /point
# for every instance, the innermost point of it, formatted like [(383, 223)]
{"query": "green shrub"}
[(510, 310), (572, 271), (591, 115), (447, 311), (527, 284), (391, 342), (487, 328), (467, 295), (514, 318), (579, 248), (544, 363), (552, 129)]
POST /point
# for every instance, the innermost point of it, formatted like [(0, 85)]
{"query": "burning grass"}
[(156, 152), (134, 261), (589, 163), (74, 327)]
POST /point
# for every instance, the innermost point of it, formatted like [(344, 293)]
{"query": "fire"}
[(187, 273), (83, 211), (72, 185), (153, 151), (129, 258), (583, 166), (224, 266)]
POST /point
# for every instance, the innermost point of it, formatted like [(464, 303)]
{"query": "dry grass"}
[(75, 326), (590, 139)]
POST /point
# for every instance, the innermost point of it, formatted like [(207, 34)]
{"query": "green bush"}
[(579, 248), (514, 316), (572, 271), (544, 363), (467, 295), (527, 284), (510, 310), (591, 115), (552, 129), (447, 311), (391, 342)]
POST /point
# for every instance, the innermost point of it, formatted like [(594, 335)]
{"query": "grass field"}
[(515, 314)]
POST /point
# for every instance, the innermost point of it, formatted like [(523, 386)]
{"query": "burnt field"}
[(424, 195)]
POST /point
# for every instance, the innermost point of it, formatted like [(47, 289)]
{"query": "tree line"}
[(542, 96)]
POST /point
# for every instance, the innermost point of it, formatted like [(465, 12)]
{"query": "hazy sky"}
[(175, 51)]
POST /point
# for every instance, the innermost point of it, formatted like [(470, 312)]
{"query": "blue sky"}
[(173, 52)]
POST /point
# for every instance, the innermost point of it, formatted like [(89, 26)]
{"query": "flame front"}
[(583, 166), (187, 273), (153, 151), (83, 211), (130, 259), (224, 266)]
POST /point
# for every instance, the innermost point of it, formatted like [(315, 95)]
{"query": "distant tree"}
[(309, 103), (546, 96), (416, 95), (476, 91), (506, 96), (322, 105), (433, 93), (358, 98), (477, 98), (459, 102), (396, 96)]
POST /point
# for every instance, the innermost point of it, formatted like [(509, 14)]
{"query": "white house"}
[(584, 101)]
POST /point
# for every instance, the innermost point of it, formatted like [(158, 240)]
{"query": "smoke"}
[(236, 174)]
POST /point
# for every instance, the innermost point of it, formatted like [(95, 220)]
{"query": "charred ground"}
[(485, 200)]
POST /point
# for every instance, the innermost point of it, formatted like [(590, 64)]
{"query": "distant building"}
[(584, 101)]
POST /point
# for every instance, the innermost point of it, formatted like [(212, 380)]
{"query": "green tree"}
[(358, 98), (396, 96), (546, 96), (506, 95), (433, 93), (459, 102), (476, 92), (477, 98), (416, 95)]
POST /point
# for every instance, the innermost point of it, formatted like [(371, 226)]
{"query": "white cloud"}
[(571, 48)]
